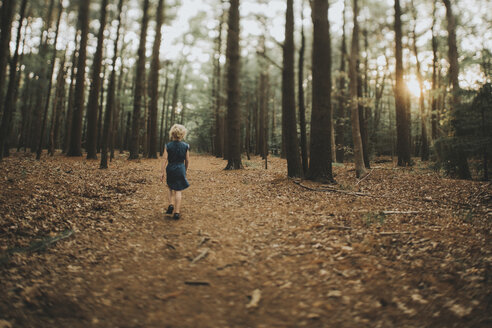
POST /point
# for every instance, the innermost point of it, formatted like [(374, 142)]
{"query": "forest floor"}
[(84, 247)]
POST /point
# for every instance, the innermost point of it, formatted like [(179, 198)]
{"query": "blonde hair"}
[(177, 132)]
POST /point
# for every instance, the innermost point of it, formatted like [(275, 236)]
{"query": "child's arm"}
[(164, 163), (187, 159)]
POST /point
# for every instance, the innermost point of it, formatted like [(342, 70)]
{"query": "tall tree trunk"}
[(78, 108), (139, 84), (100, 112), (364, 110), (11, 89), (434, 90), (219, 137), (289, 122), (233, 92), (92, 107), (424, 143), (360, 169), (50, 82), (463, 170), (154, 82), (7, 16), (341, 103), (111, 96), (69, 110), (403, 148), (302, 105), (163, 114), (174, 103), (57, 106), (320, 167)]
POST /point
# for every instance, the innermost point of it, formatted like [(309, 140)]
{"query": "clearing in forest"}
[(84, 247)]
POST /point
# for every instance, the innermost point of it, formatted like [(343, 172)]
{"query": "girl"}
[(176, 161)]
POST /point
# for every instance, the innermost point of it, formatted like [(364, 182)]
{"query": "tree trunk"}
[(139, 84), (360, 169), (403, 148), (154, 82), (69, 111), (302, 106), (320, 167), (111, 96), (57, 106), (50, 82), (92, 107), (424, 144), (163, 114), (340, 122), (219, 137), (174, 103), (11, 89), (464, 171), (7, 16), (289, 122), (434, 90), (233, 92), (78, 108)]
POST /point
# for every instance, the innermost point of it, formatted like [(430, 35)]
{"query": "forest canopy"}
[(86, 77)]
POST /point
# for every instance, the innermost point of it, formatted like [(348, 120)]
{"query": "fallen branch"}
[(400, 212), (332, 190), (368, 174), (197, 283), (203, 241), (386, 233), (202, 255), (37, 245), (338, 228)]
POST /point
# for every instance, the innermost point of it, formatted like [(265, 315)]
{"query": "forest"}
[(339, 163)]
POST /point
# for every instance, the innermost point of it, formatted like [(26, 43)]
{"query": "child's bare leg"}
[(171, 197), (178, 197)]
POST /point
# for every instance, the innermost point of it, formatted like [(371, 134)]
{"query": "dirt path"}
[(318, 259)]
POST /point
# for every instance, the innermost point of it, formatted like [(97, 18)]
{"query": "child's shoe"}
[(176, 216), (170, 209)]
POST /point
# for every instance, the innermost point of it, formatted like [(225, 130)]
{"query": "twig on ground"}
[(400, 212), (387, 233), (203, 241), (332, 190), (363, 178), (197, 283), (202, 255)]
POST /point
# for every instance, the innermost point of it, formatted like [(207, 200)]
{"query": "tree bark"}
[(463, 170), (233, 91), (111, 96), (360, 169), (340, 121), (139, 85), (50, 82), (57, 107), (154, 82), (320, 164), (78, 108), (7, 16), (424, 143), (434, 90), (302, 106), (403, 148), (92, 107), (9, 97), (289, 122)]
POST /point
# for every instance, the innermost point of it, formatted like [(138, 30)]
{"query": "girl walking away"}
[(174, 167)]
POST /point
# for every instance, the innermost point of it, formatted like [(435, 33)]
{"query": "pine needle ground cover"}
[(84, 247)]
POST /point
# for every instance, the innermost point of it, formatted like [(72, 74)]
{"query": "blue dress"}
[(175, 170)]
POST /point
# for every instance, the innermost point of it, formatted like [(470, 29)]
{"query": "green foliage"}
[(470, 126)]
